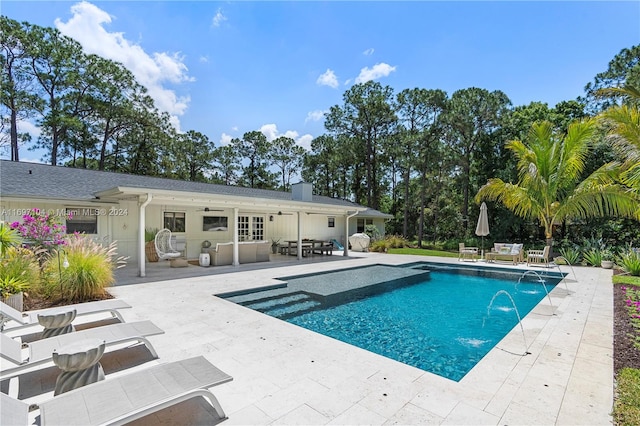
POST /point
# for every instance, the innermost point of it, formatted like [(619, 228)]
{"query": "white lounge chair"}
[(41, 351), (14, 412), (30, 318), (122, 399)]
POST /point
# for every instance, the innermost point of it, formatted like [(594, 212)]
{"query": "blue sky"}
[(226, 68)]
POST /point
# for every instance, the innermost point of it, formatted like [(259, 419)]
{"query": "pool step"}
[(281, 305), (268, 303), (285, 312)]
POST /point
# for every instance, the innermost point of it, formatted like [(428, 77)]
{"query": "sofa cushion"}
[(515, 249)]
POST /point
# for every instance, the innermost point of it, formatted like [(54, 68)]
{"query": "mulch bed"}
[(625, 354)]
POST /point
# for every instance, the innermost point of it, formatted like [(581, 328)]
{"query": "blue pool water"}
[(441, 325)]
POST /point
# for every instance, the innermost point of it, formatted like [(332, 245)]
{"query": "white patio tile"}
[(413, 415), (284, 374), (302, 415), (465, 414), (358, 415)]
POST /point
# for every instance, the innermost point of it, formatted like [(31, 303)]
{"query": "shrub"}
[(571, 255), (8, 238), (18, 271), (150, 234), (629, 261), (372, 232), (89, 272), (390, 241), (593, 257), (41, 229), (379, 246)]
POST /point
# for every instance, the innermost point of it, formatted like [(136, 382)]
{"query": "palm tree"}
[(624, 132), (549, 186)]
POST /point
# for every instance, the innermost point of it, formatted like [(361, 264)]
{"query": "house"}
[(119, 207)]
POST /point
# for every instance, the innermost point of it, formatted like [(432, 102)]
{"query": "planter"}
[(16, 301), (274, 249), (150, 251), (606, 264)]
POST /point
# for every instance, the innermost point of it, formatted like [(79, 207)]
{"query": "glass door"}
[(257, 228), (251, 228)]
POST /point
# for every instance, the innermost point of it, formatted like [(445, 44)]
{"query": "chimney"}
[(302, 191)]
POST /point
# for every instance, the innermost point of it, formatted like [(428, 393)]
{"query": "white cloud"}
[(305, 141), (316, 115), (29, 127), (153, 71), (271, 132), (218, 18), (377, 71), (368, 52), (225, 139), (204, 59), (328, 79)]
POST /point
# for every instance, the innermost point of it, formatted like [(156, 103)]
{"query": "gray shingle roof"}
[(35, 180)]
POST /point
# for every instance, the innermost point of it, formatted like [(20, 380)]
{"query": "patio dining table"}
[(308, 246)]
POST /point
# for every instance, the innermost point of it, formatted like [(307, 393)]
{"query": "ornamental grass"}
[(82, 270)]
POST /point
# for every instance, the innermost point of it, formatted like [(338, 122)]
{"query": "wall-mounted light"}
[(270, 218)]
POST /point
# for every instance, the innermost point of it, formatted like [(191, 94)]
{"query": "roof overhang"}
[(224, 201)]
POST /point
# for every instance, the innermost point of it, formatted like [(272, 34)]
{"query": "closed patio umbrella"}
[(482, 229)]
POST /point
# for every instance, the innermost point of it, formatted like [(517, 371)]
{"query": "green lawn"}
[(626, 279)]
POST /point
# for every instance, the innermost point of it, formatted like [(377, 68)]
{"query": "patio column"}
[(348, 216), (141, 227), (234, 227), (299, 245)]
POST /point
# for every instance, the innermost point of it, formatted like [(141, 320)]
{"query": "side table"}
[(79, 363), (57, 323)]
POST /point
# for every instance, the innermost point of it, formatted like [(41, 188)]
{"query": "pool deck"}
[(284, 374)]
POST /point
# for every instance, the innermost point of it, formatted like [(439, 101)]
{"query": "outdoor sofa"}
[(507, 252), (248, 252)]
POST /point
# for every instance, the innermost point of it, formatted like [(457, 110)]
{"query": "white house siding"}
[(119, 222)]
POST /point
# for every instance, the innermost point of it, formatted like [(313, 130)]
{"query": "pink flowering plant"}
[(632, 299), (41, 229)]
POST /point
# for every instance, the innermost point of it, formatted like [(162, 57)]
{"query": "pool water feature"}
[(428, 315)]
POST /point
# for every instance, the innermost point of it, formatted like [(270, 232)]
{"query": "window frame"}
[(172, 216), (74, 225)]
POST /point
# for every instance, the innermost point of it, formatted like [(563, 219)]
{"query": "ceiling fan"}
[(207, 209)]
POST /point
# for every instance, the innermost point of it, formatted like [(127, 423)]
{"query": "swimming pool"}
[(427, 315)]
